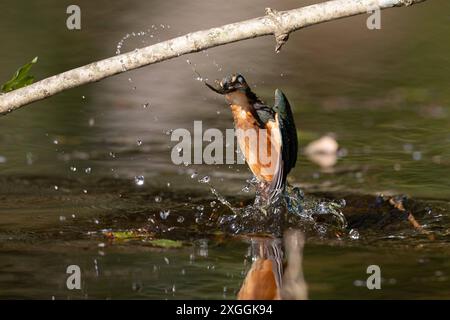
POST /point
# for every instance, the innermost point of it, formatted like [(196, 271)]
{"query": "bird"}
[(275, 132), (276, 272), (263, 280)]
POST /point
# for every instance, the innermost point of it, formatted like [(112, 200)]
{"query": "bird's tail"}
[(273, 191)]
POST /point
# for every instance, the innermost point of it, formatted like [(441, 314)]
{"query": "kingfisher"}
[(274, 129), (271, 277)]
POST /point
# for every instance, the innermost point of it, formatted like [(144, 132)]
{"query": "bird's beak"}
[(222, 87), (219, 89)]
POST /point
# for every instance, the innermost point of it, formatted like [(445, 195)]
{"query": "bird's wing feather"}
[(283, 121), (288, 130), (289, 143), (264, 113)]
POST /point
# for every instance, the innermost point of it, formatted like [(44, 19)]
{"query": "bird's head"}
[(235, 82), (235, 89)]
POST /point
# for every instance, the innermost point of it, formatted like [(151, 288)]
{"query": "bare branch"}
[(280, 24)]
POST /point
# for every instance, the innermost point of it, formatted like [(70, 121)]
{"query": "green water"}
[(383, 94)]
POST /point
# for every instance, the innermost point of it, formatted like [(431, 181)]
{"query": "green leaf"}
[(166, 243), (123, 235), (21, 78), (145, 237)]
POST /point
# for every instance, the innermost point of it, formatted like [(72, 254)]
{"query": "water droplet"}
[(139, 180), (194, 175), (73, 168), (146, 105), (353, 234), (417, 155), (203, 248), (29, 158), (167, 260), (56, 187), (91, 122), (212, 204), (164, 214), (205, 179), (62, 218), (112, 154), (55, 141), (88, 170), (321, 229), (200, 208), (342, 152), (408, 147), (139, 143), (96, 267), (180, 219), (322, 209)]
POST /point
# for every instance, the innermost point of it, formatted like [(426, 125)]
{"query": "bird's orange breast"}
[(260, 283), (260, 146)]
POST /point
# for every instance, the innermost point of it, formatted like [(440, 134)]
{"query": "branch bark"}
[(280, 24)]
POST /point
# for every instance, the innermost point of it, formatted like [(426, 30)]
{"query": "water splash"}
[(290, 209), (149, 33), (164, 214), (194, 69), (139, 180)]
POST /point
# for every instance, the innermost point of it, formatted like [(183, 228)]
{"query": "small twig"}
[(399, 205), (414, 222), (280, 32)]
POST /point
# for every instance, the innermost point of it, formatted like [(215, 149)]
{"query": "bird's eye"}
[(240, 79)]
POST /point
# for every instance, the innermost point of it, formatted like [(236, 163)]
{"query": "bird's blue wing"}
[(288, 130), (289, 143)]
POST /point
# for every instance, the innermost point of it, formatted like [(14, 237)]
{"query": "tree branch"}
[(280, 24)]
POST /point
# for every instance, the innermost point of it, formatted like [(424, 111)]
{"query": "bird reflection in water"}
[(270, 276)]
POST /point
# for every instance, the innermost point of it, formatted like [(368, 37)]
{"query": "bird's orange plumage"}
[(244, 120), (260, 283)]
